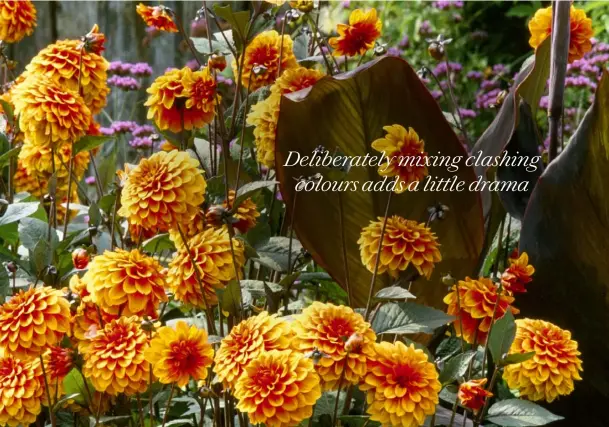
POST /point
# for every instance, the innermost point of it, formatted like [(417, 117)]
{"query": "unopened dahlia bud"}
[(217, 62), (80, 258)]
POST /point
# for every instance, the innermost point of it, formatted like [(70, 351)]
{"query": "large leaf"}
[(501, 336), (348, 113), (408, 318), (566, 234), (17, 211), (521, 413)]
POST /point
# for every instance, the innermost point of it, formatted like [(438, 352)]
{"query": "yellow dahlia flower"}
[(327, 327), (17, 20), (581, 31), (406, 156), (49, 113), (60, 61), (405, 242), (295, 79), (278, 388), (21, 389), (179, 354), (402, 385), (194, 227), (474, 307), (246, 214), (158, 17), (86, 322), (472, 394), (182, 99), (114, 358), (264, 50), (32, 320), (359, 35), (551, 372), (164, 191), (246, 341), (212, 256)]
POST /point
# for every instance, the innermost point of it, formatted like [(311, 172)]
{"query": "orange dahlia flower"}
[(518, 274), (359, 36), (114, 358), (182, 99), (158, 17), (327, 327), (474, 306), (278, 388), (581, 31), (48, 113), (295, 79), (94, 41), (58, 362), (265, 50), (21, 390), (246, 214), (127, 283), (176, 355), (246, 341), (406, 156), (86, 322), (402, 385), (211, 252), (32, 320), (405, 242), (17, 20), (472, 394), (61, 61), (554, 367), (163, 191), (194, 227)]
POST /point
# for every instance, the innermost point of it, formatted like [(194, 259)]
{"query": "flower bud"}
[(436, 51), (303, 5), (80, 258), (217, 62)]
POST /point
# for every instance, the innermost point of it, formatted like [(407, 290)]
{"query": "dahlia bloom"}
[(126, 283), (554, 367), (86, 321), (518, 274), (264, 116), (406, 156), (21, 390), (158, 17), (581, 31), (58, 362), (211, 252), (402, 385), (182, 99), (359, 35), (246, 341), (295, 79), (176, 355), (246, 214), (472, 394), (17, 20), (278, 388), (32, 320), (405, 242), (114, 358), (474, 307), (163, 191), (264, 50), (327, 327), (61, 61)]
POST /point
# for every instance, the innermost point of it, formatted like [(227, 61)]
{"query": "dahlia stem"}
[(209, 14), (89, 397), (435, 78), (453, 99), (247, 97), (150, 399), (459, 316), (47, 390), (491, 386), (291, 238), (340, 383), (378, 257), (344, 247), (100, 191), (166, 414), (454, 412), (186, 39), (140, 410), (281, 46), (321, 50)]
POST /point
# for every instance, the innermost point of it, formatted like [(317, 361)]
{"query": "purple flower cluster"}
[(425, 29), (142, 130), (490, 87), (125, 83), (466, 113), (474, 75), (440, 69), (139, 69), (141, 142), (447, 4), (119, 127), (90, 180)]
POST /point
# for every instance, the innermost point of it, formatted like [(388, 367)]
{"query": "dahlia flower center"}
[(360, 34), (340, 328), (406, 376), (203, 90), (186, 356), (265, 55), (266, 378)]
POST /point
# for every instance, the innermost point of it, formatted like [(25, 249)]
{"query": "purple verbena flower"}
[(474, 75), (123, 126), (90, 180), (119, 68), (467, 113), (447, 4), (441, 68), (124, 83), (394, 51), (141, 142), (142, 130), (425, 28), (106, 131), (141, 69), (404, 43)]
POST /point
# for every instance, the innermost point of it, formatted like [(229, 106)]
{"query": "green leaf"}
[(358, 421), (408, 318), (39, 257), (8, 111), (456, 367), (73, 384), (10, 154), (202, 148), (274, 253), (248, 190), (89, 142), (516, 358), (32, 231), (314, 276), (158, 243), (65, 399), (179, 422), (17, 211), (393, 293), (237, 20), (521, 11), (202, 45), (533, 85), (231, 297), (106, 203), (520, 413), (325, 404), (259, 234), (95, 218), (502, 335)]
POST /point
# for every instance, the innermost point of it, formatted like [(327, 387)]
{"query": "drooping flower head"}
[(405, 242), (359, 35), (179, 354), (21, 389), (32, 320), (127, 283), (114, 358), (182, 99), (17, 20), (327, 328), (474, 306), (158, 17), (472, 394), (94, 41), (551, 372), (278, 388), (163, 191), (246, 341), (246, 214), (265, 50), (402, 385), (61, 61), (406, 156), (580, 36), (518, 274), (211, 252)]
